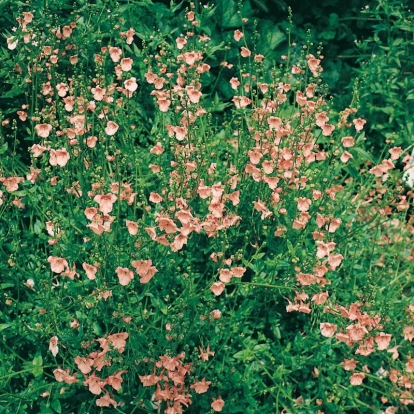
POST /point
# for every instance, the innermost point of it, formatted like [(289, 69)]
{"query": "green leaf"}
[(56, 406), (3, 148), (38, 226), (228, 14), (271, 34), (37, 365), (333, 20), (4, 326)]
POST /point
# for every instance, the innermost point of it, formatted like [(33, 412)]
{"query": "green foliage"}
[(186, 223)]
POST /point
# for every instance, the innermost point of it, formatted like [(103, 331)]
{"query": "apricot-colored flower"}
[(105, 202), (149, 380), (234, 83), (126, 64), (98, 93), (94, 383), (217, 404), (12, 42), (217, 288), (125, 275), (132, 227), (320, 298), (244, 52), (359, 123), (43, 130), (201, 386), (346, 156), (53, 345), (395, 152), (106, 401), (304, 203), (181, 42), (59, 157), (205, 355), (84, 364), (118, 340), (115, 53), (383, 340), (238, 35), (408, 333), (328, 329), (131, 84), (241, 101), (348, 142), (57, 264), (167, 225), (90, 271), (111, 128), (238, 271), (357, 378), (12, 183), (327, 130), (349, 364)]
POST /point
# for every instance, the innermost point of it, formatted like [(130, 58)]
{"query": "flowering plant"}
[(173, 252)]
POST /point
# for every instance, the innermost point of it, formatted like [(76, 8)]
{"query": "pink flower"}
[(395, 152), (205, 355), (181, 42), (43, 130), (12, 43), (118, 340), (201, 386), (238, 35), (84, 364), (115, 53), (217, 288), (346, 156), (111, 128), (234, 83), (348, 142), (38, 150), (359, 123), (349, 364), (244, 53), (409, 333), (216, 314), (356, 378), (304, 203), (98, 93), (106, 401), (125, 275), (383, 340), (126, 64), (90, 271), (105, 202), (12, 183), (131, 84), (132, 227), (59, 157), (217, 404), (328, 329), (95, 384), (57, 264), (53, 347)]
